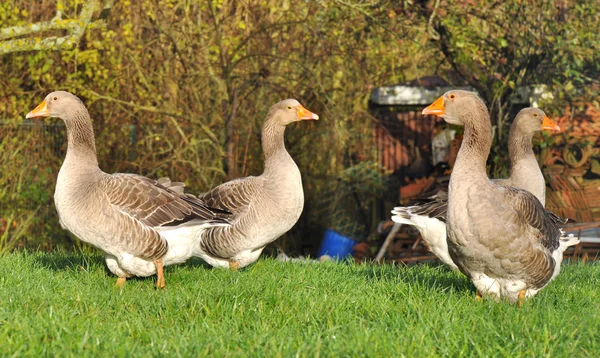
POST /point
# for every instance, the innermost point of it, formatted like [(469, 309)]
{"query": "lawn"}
[(65, 304)]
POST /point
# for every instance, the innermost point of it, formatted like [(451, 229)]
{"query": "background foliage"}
[(178, 88)]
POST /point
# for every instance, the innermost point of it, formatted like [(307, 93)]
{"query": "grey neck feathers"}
[(519, 146), (80, 133), (273, 144), (525, 172), (477, 142)]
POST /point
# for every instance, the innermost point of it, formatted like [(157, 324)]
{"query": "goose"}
[(500, 237), (264, 207), (429, 217), (137, 222)]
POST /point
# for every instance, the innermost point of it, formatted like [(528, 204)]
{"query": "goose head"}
[(289, 111), (59, 104), (456, 107), (530, 120)]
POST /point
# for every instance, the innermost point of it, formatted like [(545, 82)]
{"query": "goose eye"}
[(452, 96), (289, 107), (55, 98)]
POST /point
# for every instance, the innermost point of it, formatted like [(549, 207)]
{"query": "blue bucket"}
[(336, 245)]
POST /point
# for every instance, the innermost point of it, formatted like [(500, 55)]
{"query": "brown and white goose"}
[(264, 207), (138, 223), (430, 217), (502, 238)]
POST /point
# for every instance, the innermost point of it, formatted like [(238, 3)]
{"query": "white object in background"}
[(440, 145)]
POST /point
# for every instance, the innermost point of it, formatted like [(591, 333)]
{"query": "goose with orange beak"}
[(139, 223), (501, 237), (264, 207)]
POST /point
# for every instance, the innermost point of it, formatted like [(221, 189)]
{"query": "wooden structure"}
[(572, 167), (399, 136), (588, 248), (401, 133)]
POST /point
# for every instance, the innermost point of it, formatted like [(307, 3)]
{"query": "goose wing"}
[(235, 196), (153, 204), (532, 235), (546, 225)]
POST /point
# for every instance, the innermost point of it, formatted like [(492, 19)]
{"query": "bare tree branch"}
[(153, 109), (75, 29)]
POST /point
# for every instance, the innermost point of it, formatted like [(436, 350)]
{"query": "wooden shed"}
[(403, 136)]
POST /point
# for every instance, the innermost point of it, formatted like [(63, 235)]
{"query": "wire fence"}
[(30, 155)]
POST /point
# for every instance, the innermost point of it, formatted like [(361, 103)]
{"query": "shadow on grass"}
[(432, 276), (194, 263), (64, 261), (435, 277)]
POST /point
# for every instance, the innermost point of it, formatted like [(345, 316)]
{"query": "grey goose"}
[(264, 207), (502, 238), (137, 222)]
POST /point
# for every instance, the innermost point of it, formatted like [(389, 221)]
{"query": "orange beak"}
[(549, 124), (40, 111), (305, 114), (436, 108)]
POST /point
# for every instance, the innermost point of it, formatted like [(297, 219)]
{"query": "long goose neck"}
[(520, 147), (80, 133), (525, 172), (476, 145), (273, 146)]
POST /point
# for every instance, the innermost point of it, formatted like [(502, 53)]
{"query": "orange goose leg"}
[(160, 276), (478, 296), (121, 281), (233, 265), (521, 297)]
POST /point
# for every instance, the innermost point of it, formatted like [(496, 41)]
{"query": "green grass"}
[(65, 304)]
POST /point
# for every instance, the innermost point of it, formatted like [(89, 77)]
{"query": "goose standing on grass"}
[(132, 219), (502, 238), (430, 217), (264, 207)]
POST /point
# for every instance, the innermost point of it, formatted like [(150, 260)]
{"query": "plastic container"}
[(336, 245)]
